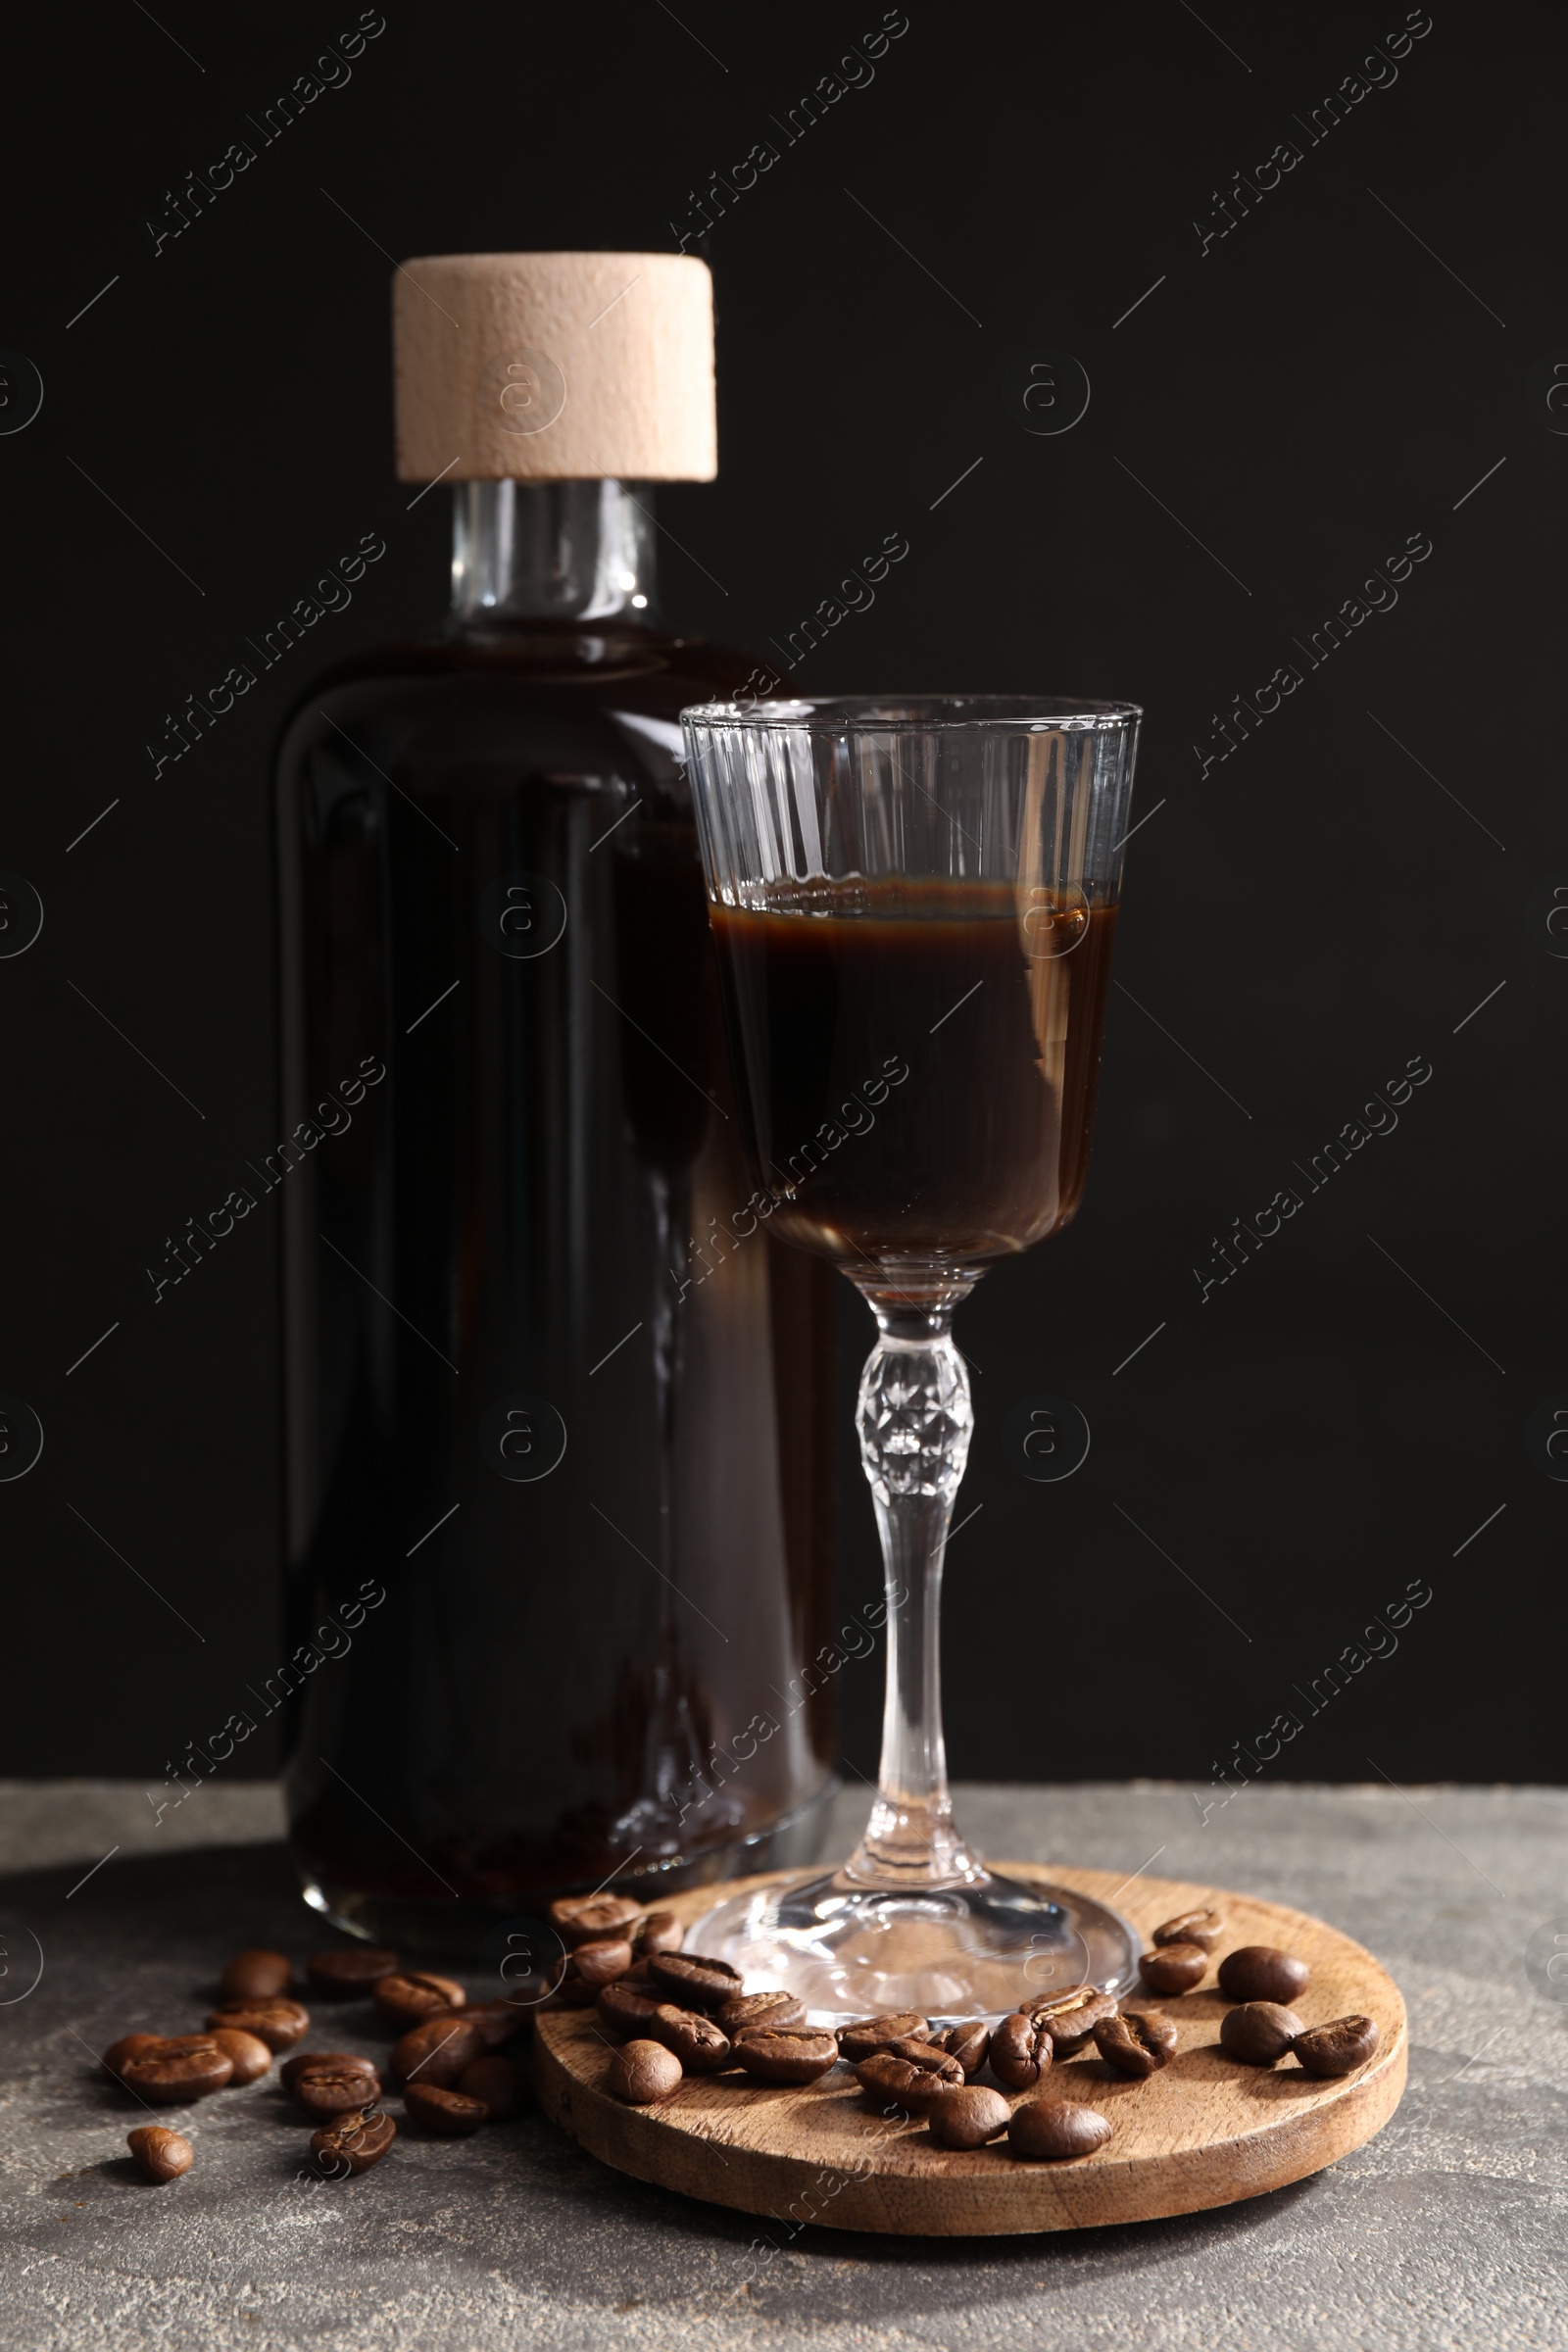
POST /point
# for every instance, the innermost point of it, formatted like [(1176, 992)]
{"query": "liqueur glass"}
[(913, 902)]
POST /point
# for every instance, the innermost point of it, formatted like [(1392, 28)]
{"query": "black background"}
[(1280, 1461)]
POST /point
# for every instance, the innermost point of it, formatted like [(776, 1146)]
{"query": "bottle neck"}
[(552, 551)]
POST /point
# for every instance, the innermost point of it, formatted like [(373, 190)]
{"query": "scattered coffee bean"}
[(1203, 1927), (1021, 2050), (642, 2073), (1262, 1971), (439, 2050), (694, 1979), (581, 1918), (160, 2155), (624, 2010), (967, 2117), (601, 1961), (1174, 1967), (1135, 2043), (352, 2143), (130, 2045), (498, 2083), (786, 2053), (658, 1932), (761, 2009), (279, 2024), (249, 2055), (911, 2073), (1070, 2017), (184, 2066), (570, 1990), (292, 2067), (345, 1974), (289, 2073), (500, 2022), (404, 1998), (869, 2035), (1338, 2048), (450, 2114), (970, 2043), (701, 2045), (1258, 2032), (1057, 2129), (325, 2090), (256, 1977)]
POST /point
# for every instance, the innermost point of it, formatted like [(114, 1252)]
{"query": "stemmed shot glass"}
[(913, 902)]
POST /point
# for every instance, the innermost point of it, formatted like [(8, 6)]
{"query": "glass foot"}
[(979, 1949)]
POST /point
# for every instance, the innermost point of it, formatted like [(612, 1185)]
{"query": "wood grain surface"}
[(1203, 2132)]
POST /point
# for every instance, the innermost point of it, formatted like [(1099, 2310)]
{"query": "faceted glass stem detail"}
[(915, 1419)]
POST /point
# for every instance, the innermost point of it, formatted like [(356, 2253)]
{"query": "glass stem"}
[(914, 1418)]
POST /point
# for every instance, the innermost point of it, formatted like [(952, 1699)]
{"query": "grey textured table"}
[(1447, 2230)]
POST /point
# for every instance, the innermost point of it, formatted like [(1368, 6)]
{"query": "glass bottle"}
[(559, 1423)]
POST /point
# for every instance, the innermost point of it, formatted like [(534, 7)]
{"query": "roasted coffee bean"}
[(500, 2022), (249, 2055), (606, 1960), (1204, 1927), (582, 1917), (1071, 2017), (869, 2035), (1174, 1967), (638, 1976), (919, 2049), (572, 1991), (1021, 2050), (348, 1972), (257, 1977), (701, 2045), (624, 2010), (967, 2117), (1338, 2048), (352, 2143), (601, 1961), (450, 2114), (439, 2050), (1135, 2043), (642, 2073), (404, 1998), (323, 2091), (910, 2075), (970, 2043), (160, 2155), (1057, 2129), (289, 2073), (1258, 2032), (184, 2066), (761, 2009), (130, 2045), (786, 2053), (693, 1980), (1262, 1971), (498, 2083), (279, 2024), (658, 1932)]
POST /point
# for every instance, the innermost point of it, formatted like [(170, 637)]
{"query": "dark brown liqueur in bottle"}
[(920, 1063), (589, 1461)]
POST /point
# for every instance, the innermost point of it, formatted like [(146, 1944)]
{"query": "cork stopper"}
[(554, 366)]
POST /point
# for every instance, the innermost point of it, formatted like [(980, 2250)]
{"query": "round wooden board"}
[(1203, 2131)]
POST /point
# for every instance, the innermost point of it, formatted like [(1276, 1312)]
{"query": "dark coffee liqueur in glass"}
[(918, 1061), (914, 902)]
